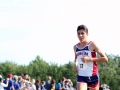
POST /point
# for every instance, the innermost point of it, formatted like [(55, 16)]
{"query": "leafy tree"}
[(40, 69)]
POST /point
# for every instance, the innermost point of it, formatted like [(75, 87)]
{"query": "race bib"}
[(82, 66)]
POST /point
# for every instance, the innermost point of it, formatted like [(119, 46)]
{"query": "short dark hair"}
[(82, 27), (25, 74), (1, 79)]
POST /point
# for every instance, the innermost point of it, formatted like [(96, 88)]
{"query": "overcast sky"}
[(48, 28)]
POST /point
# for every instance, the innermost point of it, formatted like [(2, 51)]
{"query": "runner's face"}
[(82, 35)]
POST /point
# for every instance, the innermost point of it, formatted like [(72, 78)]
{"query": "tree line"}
[(38, 68)]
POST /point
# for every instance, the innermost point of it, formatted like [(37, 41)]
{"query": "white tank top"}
[(88, 68)]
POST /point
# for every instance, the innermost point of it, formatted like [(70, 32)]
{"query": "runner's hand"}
[(75, 68), (85, 59)]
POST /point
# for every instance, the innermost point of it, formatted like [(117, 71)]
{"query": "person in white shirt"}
[(32, 87), (2, 85)]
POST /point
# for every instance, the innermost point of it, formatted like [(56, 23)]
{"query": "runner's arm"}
[(75, 61), (75, 54), (102, 58)]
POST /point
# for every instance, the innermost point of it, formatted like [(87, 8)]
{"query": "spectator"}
[(32, 87), (107, 88), (104, 86), (10, 83), (37, 84), (58, 85), (20, 81), (2, 85), (63, 81), (70, 84), (47, 85), (27, 81), (16, 84), (101, 87), (52, 85), (25, 76), (66, 87), (43, 86)]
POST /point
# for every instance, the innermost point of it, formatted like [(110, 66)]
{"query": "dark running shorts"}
[(91, 81)]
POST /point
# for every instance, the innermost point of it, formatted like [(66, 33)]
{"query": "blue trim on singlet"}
[(85, 48)]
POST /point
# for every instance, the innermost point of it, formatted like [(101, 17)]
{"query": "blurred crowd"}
[(104, 87), (24, 82)]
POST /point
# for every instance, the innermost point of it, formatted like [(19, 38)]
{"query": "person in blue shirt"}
[(48, 82), (58, 85), (10, 83), (43, 86), (37, 84), (15, 83)]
